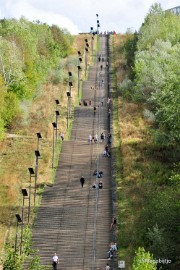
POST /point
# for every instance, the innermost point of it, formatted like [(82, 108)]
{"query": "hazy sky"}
[(80, 15)]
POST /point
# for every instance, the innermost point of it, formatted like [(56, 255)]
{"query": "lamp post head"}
[(70, 84), (86, 49), (57, 113), (54, 125), (24, 192), (39, 135), (57, 101), (86, 40), (37, 153), (68, 94), (80, 59), (18, 218), (31, 171), (79, 67), (97, 15), (79, 53), (70, 73)]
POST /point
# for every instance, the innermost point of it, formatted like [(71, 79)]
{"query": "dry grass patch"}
[(133, 136)]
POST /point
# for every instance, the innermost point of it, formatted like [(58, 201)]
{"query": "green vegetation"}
[(147, 103), (34, 59), (143, 261), (14, 261), (28, 51)]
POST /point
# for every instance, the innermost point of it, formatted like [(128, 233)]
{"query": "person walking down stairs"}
[(82, 180), (107, 267), (55, 261)]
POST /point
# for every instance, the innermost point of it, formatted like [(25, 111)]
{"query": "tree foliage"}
[(159, 224), (143, 260), (157, 77), (28, 50)]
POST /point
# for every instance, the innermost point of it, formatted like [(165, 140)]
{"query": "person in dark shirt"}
[(82, 181)]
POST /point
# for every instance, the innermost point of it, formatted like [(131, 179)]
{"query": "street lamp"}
[(79, 57), (57, 103), (37, 155), (19, 220), (70, 85), (86, 59), (79, 69), (38, 137), (31, 172), (25, 194), (54, 128), (92, 43), (68, 104), (57, 114), (70, 74), (98, 25)]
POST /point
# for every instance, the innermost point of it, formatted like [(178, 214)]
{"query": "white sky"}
[(80, 15)]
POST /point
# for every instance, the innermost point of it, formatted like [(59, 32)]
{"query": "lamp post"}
[(70, 75), (19, 220), (79, 69), (32, 174), (57, 114), (69, 97), (79, 58), (92, 43), (25, 194), (69, 89), (97, 15), (98, 25), (70, 85), (37, 155), (54, 128), (57, 103), (86, 59), (38, 137)]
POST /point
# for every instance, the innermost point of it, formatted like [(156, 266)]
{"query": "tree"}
[(143, 260), (159, 222), (157, 84), (158, 24)]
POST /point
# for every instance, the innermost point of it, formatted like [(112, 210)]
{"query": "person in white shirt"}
[(55, 261), (90, 139), (107, 267)]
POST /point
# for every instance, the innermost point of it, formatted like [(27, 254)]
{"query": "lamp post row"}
[(34, 173)]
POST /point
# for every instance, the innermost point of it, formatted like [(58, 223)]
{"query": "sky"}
[(80, 15)]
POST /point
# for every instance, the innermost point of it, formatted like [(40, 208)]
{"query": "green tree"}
[(158, 24), (157, 84), (159, 221), (11, 109), (143, 260)]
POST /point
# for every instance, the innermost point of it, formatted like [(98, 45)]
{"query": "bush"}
[(125, 89)]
